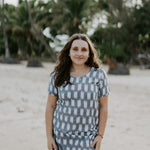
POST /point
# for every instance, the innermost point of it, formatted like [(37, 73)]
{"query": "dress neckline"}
[(83, 75)]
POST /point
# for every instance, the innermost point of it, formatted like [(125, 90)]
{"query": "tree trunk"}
[(40, 37), (7, 53)]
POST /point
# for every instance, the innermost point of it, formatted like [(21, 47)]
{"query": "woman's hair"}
[(64, 63)]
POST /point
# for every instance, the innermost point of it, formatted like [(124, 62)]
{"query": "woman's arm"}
[(50, 107), (103, 115)]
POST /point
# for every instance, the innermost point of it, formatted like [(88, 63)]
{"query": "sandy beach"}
[(23, 96)]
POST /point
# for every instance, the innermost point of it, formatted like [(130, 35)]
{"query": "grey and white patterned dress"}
[(75, 120)]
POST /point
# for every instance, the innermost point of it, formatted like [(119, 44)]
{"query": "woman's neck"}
[(79, 68)]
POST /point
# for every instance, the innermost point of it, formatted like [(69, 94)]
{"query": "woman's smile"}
[(79, 58), (79, 52)]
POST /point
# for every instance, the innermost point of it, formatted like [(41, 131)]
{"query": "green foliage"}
[(71, 16), (108, 42), (22, 41), (142, 27), (126, 34)]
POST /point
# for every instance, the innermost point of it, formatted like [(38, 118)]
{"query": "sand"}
[(23, 96)]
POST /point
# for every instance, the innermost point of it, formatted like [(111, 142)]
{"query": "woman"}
[(76, 110)]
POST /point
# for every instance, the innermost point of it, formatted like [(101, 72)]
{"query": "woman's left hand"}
[(97, 142)]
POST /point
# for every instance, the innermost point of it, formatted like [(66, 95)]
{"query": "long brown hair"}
[(64, 63)]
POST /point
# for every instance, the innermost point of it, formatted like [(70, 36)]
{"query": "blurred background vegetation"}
[(118, 28)]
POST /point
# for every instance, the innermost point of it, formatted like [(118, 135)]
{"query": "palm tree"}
[(19, 27), (40, 37), (71, 16), (7, 53)]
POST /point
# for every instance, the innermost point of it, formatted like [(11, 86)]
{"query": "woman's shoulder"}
[(100, 71), (53, 74)]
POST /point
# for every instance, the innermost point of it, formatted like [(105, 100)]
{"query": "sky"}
[(14, 2)]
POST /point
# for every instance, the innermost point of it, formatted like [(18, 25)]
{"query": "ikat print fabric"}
[(75, 121)]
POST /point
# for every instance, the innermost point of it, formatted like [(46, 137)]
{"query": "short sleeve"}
[(52, 89), (103, 84)]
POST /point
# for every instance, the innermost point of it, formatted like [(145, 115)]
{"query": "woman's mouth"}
[(79, 58)]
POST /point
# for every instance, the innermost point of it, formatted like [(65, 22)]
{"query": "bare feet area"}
[(23, 96)]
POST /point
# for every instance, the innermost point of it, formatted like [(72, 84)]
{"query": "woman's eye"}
[(75, 49), (83, 49)]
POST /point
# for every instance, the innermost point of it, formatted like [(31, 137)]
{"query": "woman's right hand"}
[(51, 144)]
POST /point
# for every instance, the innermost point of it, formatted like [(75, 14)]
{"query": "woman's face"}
[(79, 52)]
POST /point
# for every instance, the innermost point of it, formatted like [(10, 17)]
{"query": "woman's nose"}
[(79, 52)]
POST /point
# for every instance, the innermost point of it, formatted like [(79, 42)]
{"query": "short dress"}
[(76, 116)]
